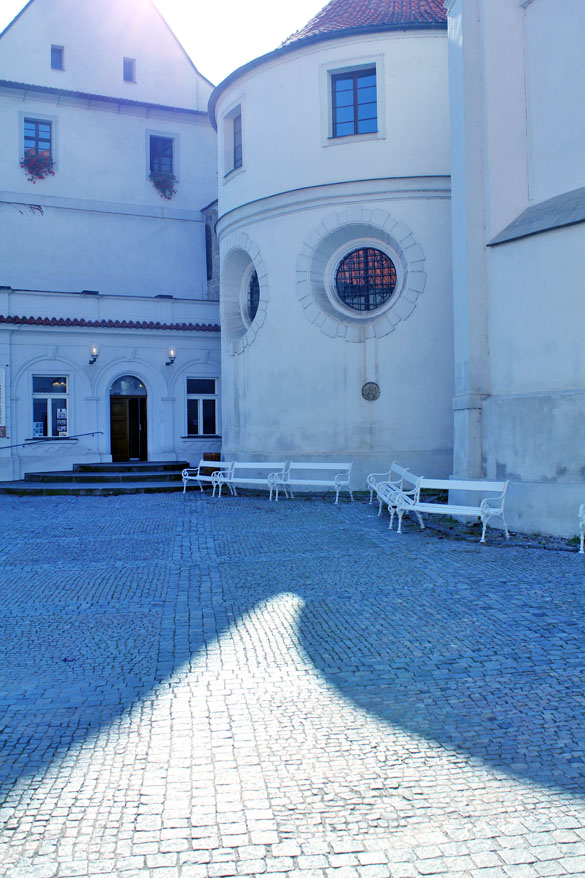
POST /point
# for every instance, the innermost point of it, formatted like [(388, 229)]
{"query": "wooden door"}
[(128, 428)]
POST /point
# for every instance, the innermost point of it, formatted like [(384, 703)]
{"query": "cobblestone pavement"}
[(193, 688)]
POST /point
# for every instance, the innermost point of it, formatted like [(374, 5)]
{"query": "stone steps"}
[(135, 477)]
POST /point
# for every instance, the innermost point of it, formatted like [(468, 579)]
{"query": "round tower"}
[(334, 235)]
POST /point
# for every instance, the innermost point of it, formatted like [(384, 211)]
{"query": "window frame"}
[(52, 400), (327, 72), (233, 139), (339, 306), (40, 117), (159, 138), (201, 397), (60, 54), (353, 76), (169, 135)]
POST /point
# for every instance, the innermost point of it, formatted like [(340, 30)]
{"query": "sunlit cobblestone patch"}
[(194, 688)]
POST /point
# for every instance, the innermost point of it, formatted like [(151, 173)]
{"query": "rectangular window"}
[(49, 406), (129, 69), (161, 154), (354, 102), (238, 141), (201, 407), (57, 58), (37, 136)]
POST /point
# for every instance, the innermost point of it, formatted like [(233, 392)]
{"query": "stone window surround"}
[(242, 256), (338, 232)]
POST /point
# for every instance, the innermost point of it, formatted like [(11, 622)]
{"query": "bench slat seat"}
[(302, 474), (252, 474)]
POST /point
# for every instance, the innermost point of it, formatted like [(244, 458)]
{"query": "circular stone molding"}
[(240, 258), (339, 234)]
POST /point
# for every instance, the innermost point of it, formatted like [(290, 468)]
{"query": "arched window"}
[(253, 296), (365, 279)]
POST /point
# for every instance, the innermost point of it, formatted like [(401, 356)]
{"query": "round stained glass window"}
[(365, 279), (253, 296)]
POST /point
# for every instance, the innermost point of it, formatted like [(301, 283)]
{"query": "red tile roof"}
[(340, 15), (109, 324)]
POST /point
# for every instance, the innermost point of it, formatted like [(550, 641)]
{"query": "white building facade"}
[(335, 249), (103, 266), (518, 169)]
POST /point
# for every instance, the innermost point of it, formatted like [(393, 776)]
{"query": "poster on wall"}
[(2, 403)]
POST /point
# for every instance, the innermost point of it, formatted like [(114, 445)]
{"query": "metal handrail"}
[(50, 438)]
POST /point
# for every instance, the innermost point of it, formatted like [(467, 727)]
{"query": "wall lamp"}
[(172, 356), (94, 353)]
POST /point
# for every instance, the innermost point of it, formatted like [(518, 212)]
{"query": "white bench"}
[(488, 508), (387, 486), (582, 527), (196, 474), (333, 476), (251, 474)]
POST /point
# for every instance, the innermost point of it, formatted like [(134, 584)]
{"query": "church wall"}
[(285, 109), (515, 76), (293, 376), (295, 391)]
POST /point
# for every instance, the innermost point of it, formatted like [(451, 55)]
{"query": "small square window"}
[(57, 58), (129, 68)]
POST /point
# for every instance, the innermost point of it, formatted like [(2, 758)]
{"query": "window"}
[(365, 279), (49, 406), (354, 103), (37, 136), (233, 140), (161, 154), (253, 296), (209, 251), (57, 58), (201, 407), (129, 69), (238, 141)]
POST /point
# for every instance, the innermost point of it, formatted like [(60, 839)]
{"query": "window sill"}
[(203, 436), (354, 138), (233, 173)]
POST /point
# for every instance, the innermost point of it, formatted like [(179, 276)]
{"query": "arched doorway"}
[(128, 419)]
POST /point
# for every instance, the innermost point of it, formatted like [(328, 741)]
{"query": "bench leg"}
[(582, 549), (392, 513), (420, 521), (350, 494)]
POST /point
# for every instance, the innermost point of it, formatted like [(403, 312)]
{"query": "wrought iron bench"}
[(205, 473), (387, 486), (328, 476), (489, 507)]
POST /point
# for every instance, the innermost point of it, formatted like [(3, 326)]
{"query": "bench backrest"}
[(270, 465), (342, 468), (214, 465), (484, 486)]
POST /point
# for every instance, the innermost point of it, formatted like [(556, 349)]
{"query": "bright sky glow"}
[(221, 35)]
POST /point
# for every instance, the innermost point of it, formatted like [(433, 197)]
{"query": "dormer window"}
[(129, 69), (57, 58)]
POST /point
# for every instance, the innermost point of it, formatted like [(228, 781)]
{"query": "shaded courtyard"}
[(197, 688)]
